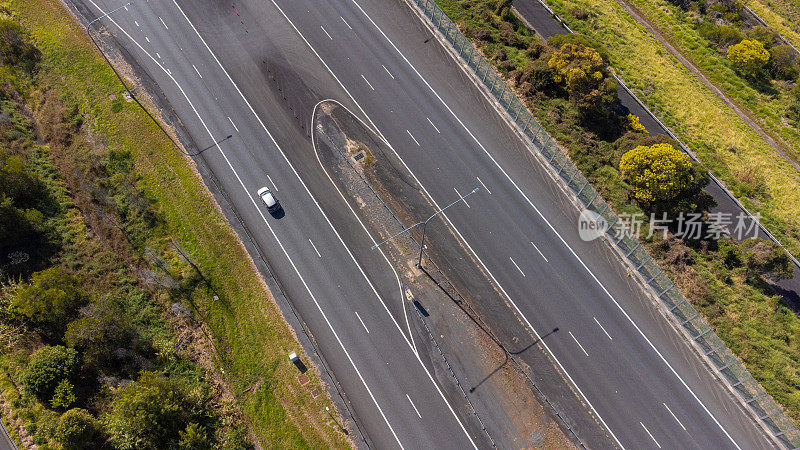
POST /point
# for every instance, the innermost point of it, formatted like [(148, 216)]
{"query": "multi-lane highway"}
[(255, 69)]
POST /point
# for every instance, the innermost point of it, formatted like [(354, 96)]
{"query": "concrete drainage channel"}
[(455, 335)]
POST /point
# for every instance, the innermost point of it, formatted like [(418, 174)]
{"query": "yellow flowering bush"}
[(582, 71), (748, 56), (632, 124), (659, 173)]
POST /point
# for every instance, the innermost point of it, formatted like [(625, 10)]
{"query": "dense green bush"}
[(15, 48), (766, 35), (151, 413), (49, 301), (77, 429), (48, 367), (783, 63), (720, 35)]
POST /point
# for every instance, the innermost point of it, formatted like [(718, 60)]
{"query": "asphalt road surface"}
[(248, 68)]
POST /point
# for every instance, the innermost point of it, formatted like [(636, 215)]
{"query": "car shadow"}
[(278, 214)]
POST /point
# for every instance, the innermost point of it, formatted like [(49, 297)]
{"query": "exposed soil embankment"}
[(450, 306)]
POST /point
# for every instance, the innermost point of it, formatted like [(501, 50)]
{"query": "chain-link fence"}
[(750, 391)]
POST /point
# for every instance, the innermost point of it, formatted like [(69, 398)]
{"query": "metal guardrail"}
[(715, 351)]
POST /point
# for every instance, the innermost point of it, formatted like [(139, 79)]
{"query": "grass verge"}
[(250, 336), (750, 167)]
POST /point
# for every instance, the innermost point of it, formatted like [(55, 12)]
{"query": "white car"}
[(269, 199)]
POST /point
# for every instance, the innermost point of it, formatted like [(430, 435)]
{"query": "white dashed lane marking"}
[(579, 344)]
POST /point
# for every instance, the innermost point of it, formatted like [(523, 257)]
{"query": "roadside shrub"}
[(148, 414), (766, 259), (783, 63), (559, 40), (582, 71), (720, 35), (76, 429), (48, 367), (766, 35), (749, 57), (15, 47), (49, 301), (793, 108), (194, 437), (632, 124), (660, 175), (63, 396)]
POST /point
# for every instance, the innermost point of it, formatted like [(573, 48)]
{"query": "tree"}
[(63, 397), (48, 367), (783, 63), (660, 175), (765, 35), (148, 414), (49, 300), (76, 429), (748, 56), (583, 72), (767, 259)]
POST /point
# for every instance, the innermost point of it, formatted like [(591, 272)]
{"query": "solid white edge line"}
[(413, 406), (603, 328), (674, 416), (430, 377), (362, 322), (650, 434), (515, 265), (255, 205), (345, 22), (579, 344), (674, 372), (315, 247), (540, 252), (368, 83)]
